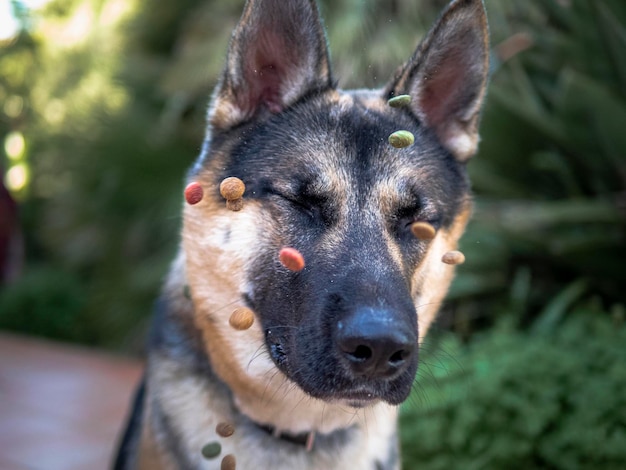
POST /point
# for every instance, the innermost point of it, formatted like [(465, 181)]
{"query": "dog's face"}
[(321, 177)]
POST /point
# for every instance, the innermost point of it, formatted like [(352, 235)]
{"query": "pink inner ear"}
[(267, 72), (442, 92), (269, 93)]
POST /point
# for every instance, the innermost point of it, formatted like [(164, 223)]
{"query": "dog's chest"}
[(195, 408)]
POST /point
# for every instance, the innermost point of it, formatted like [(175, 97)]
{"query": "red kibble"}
[(194, 193), (292, 259)]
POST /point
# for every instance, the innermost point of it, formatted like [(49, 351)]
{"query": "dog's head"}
[(321, 177)]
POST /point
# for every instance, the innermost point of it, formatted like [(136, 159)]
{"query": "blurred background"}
[(102, 107)]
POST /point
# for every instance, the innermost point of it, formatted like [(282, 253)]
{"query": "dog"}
[(337, 256)]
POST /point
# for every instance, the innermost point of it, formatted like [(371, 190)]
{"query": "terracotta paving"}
[(61, 407)]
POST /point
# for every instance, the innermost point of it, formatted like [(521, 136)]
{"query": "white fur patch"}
[(460, 138), (196, 413)]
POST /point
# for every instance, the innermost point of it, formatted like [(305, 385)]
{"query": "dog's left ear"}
[(277, 54), (447, 77)]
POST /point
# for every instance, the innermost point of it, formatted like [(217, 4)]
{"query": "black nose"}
[(375, 343)]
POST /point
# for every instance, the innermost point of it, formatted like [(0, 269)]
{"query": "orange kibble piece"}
[(453, 258), (423, 231), (194, 193), (232, 188), (241, 319), (292, 259), (225, 429)]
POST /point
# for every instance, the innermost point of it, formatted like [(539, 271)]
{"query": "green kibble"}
[(211, 450), (401, 139), (399, 101)]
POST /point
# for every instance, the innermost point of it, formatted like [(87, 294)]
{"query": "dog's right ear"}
[(277, 54), (447, 76)]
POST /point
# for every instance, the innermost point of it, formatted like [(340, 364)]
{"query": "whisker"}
[(258, 353)]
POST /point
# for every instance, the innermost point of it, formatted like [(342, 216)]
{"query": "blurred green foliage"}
[(551, 175), (110, 97), (53, 303), (550, 400)]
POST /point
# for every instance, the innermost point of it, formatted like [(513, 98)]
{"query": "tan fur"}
[(430, 282), (151, 457)]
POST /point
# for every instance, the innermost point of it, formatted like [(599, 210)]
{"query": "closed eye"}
[(407, 216), (306, 205)]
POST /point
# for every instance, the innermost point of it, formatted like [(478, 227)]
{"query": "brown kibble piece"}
[(232, 190), (423, 230), (235, 205), (228, 462), (225, 429), (292, 259), (453, 258), (241, 319)]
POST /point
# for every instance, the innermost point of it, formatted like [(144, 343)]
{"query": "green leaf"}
[(556, 309), (614, 35)]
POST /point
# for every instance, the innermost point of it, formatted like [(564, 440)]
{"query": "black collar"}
[(306, 439)]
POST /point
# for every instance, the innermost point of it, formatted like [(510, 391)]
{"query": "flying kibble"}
[(241, 319), (232, 190), (401, 139), (423, 231), (211, 450), (453, 258), (292, 259), (225, 429), (194, 193), (399, 101), (228, 462)]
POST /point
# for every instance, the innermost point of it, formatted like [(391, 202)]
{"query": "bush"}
[(551, 172), (45, 302), (519, 401)]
